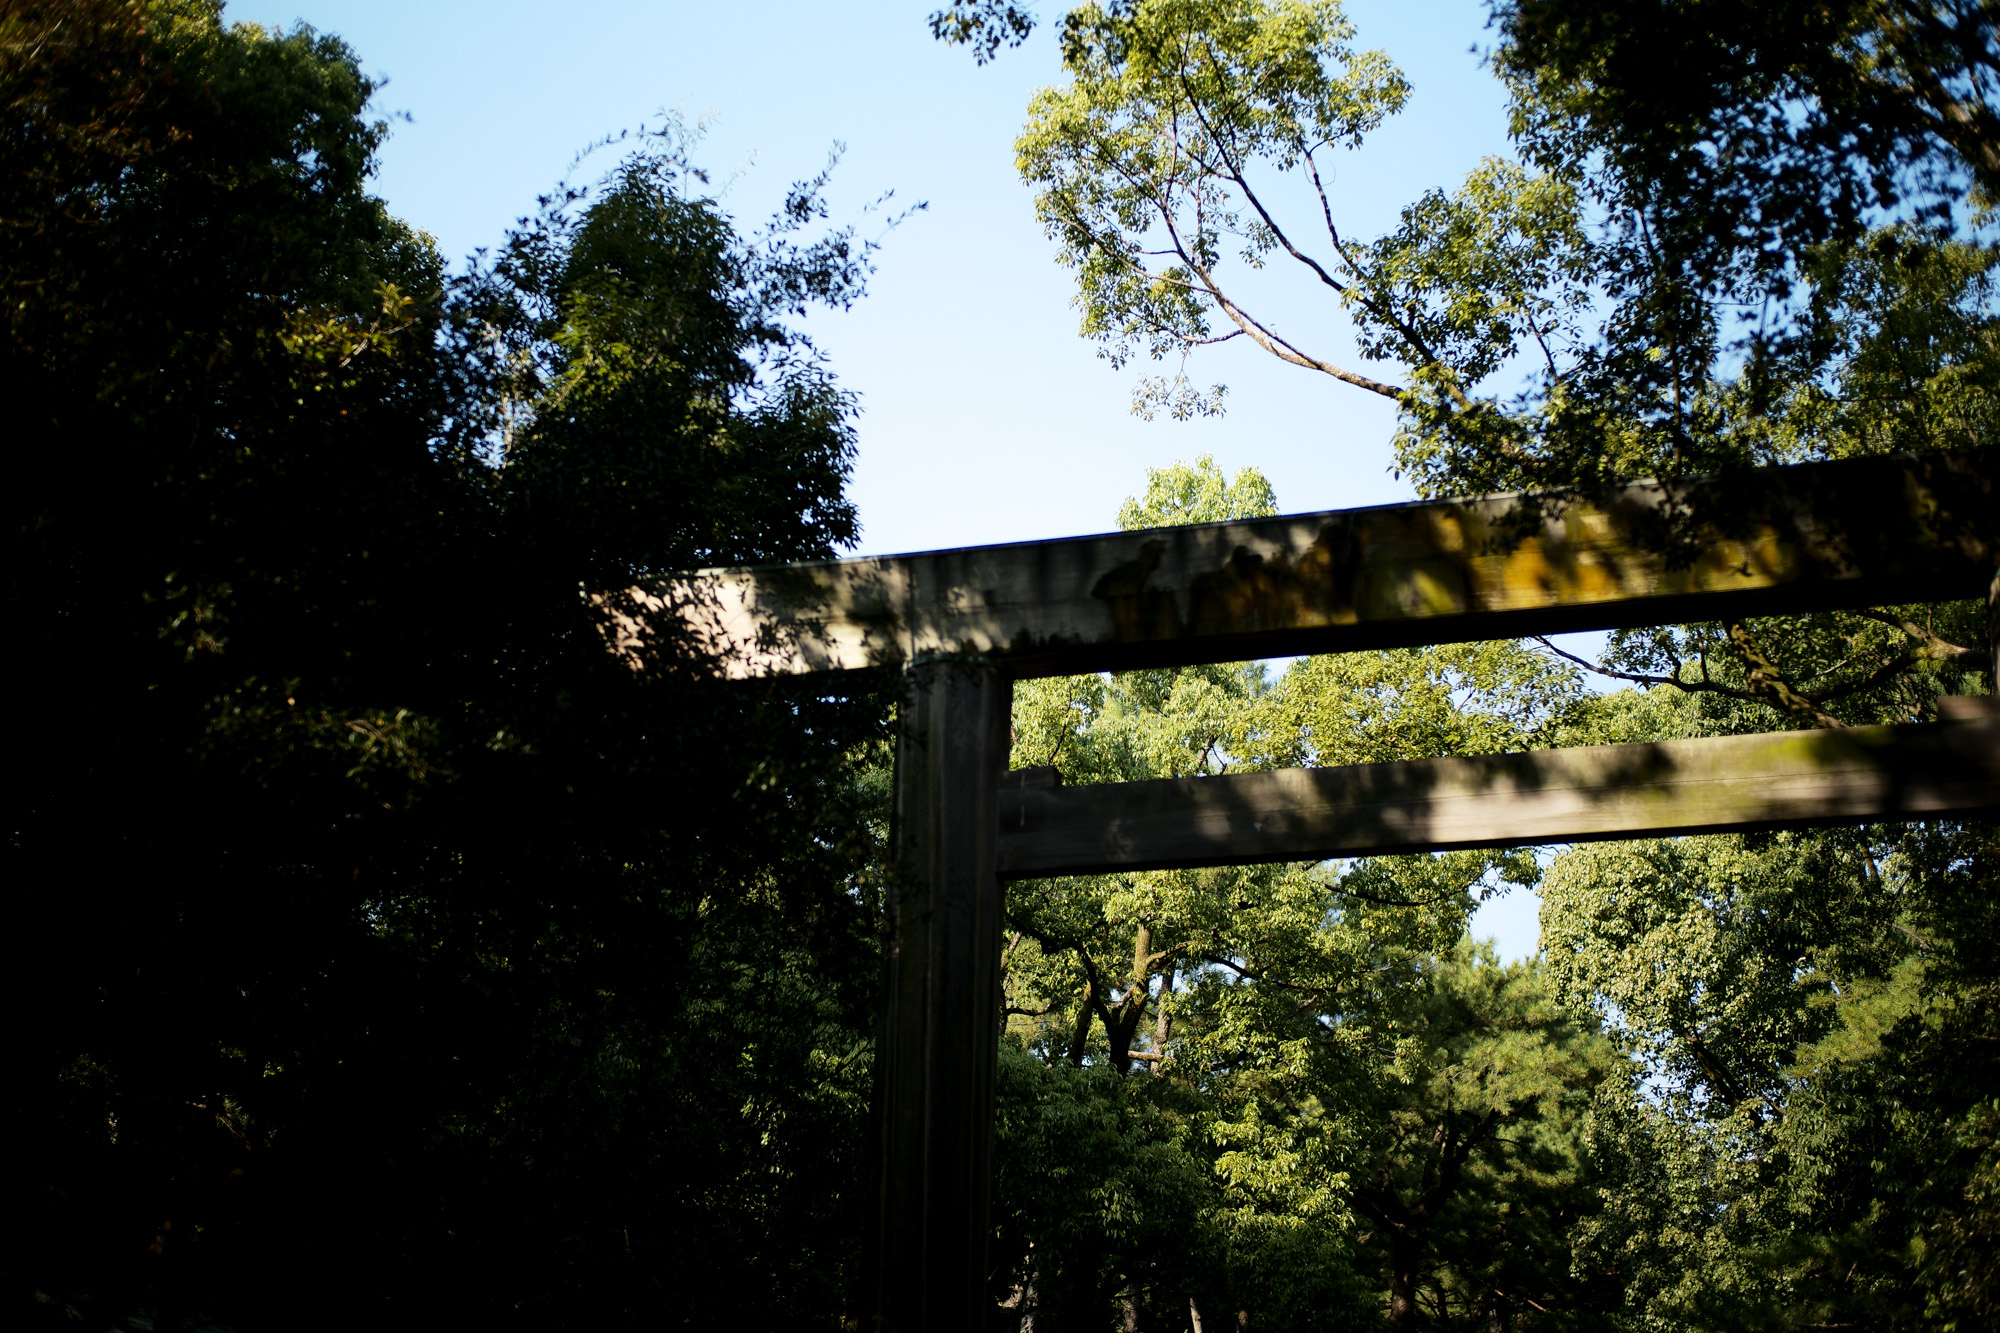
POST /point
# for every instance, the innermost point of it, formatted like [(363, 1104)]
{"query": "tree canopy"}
[(1282, 1093), (393, 954), (1718, 217), (1730, 235), (398, 956)]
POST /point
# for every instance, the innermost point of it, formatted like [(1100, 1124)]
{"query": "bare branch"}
[(1702, 686), (1535, 327)]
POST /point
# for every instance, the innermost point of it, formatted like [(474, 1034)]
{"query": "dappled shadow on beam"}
[(1589, 793)]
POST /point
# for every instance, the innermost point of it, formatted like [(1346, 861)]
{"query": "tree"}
[(1572, 316), (1735, 235), (399, 956), (1475, 1171), (1811, 1148), (1809, 1009), (1768, 256), (1338, 1108)]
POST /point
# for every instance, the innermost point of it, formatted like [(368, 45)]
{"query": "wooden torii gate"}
[(961, 625)]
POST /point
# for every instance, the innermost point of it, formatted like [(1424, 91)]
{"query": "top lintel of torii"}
[(1851, 533)]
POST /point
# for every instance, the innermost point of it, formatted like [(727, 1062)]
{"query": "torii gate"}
[(961, 625)]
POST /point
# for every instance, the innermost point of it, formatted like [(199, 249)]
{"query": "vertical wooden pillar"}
[(935, 1062), (1993, 634)]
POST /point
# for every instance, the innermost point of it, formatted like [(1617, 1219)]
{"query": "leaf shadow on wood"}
[(1589, 793)]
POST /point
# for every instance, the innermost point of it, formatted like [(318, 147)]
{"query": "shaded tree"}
[(399, 955)]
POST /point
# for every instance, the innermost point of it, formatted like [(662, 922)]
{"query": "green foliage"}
[(1903, 321), (1475, 1157), (399, 958), (1100, 1183), (1739, 234), (1746, 1086), (1197, 494), (1372, 1113), (1771, 127), (1811, 1009), (1139, 164), (1747, 168), (638, 357), (1767, 255), (1477, 274), (1736, 234)]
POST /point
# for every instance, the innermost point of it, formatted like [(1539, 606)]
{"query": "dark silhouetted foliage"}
[(388, 953)]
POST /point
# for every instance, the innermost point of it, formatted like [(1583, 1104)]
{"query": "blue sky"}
[(985, 418)]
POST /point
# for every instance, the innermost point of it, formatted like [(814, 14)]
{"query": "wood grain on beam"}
[(1590, 793), (1858, 532)]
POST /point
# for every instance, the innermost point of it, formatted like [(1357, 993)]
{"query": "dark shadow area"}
[(387, 953)]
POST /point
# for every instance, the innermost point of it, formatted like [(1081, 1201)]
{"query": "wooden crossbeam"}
[(1859, 532), (1589, 793)]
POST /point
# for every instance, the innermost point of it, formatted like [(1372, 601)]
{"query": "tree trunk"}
[(1132, 1009), (1402, 1283), (1081, 1037), (1163, 1026)]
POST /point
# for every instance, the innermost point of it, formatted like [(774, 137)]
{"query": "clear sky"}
[(985, 418)]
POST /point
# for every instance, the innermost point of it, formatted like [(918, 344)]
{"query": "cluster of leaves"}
[(1762, 215), (398, 955), (1140, 163)]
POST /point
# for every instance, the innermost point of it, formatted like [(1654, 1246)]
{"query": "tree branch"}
[(1259, 333), (1935, 648), (1702, 686), (1769, 682)]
